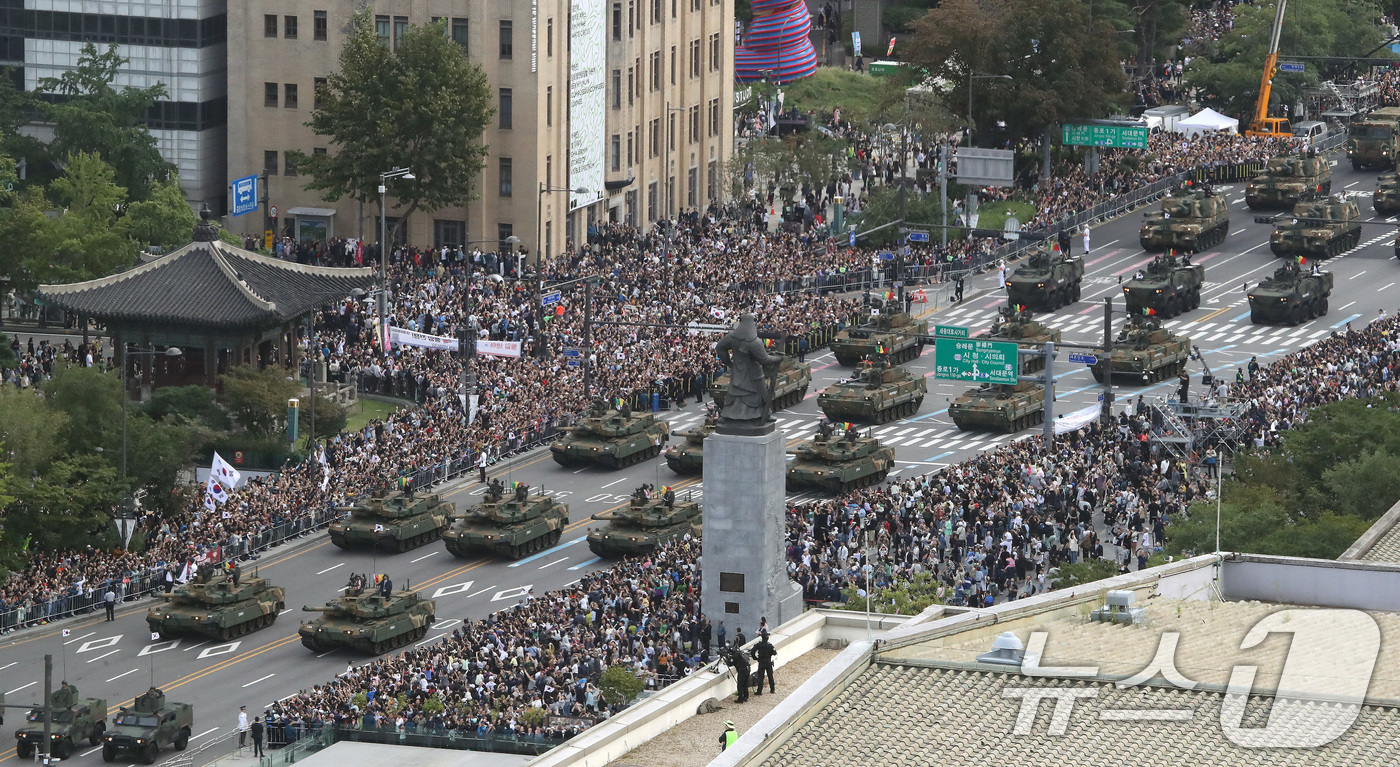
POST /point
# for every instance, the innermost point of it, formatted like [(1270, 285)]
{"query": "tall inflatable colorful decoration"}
[(778, 40)]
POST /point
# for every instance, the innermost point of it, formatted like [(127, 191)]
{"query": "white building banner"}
[(405, 337), (1077, 420), (587, 99), (498, 348)]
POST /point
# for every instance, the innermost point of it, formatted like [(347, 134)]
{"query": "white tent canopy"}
[(1207, 120)]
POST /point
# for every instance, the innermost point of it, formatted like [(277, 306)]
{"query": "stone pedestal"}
[(744, 565)]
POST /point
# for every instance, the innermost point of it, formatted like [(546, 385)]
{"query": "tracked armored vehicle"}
[(1292, 296), (75, 719), (1386, 197), (1287, 181), (1168, 287), (148, 726), (1046, 281), (1012, 325), (838, 465), (645, 523), (1318, 229), (392, 521), (793, 378), (368, 622), (1190, 222), (611, 438), (877, 392), (1143, 352), (891, 336), (688, 457), (1000, 407), (213, 606), (512, 527)]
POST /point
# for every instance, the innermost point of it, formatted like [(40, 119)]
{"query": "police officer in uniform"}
[(764, 652)]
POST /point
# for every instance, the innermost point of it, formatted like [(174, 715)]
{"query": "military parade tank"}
[(1190, 222), (510, 526), (1291, 296), (790, 388), (1013, 325), (1045, 281), (646, 522), (1168, 287), (1144, 352), (1001, 407), (1318, 229), (392, 521), (213, 606), (838, 465), (148, 726), (891, 336), (368, 622), (75, 719), (689, 456), (611, 438), (1288, 181), (877, 392), (1372, 141), (1386, 197)]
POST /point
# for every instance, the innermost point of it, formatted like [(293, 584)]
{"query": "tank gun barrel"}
[(322, 609), (605, 516)]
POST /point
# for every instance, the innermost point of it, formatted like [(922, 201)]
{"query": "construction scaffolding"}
[(1189, 429)]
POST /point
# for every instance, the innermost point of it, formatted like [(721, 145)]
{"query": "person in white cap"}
[(727, 738)]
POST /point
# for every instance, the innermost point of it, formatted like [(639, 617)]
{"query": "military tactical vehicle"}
[(891, 336), (1191, 222), (1045, 281), (790, 388), (689, 456), (1318, 229), (1291, 296), (877, 392), (392, 521), (645, 523), (1372, 141), (148, 726), (1143, 352), (1003, 407), (512, 527), (838, 465), (369, 622), (611, 438), (74, 720), (213, 606), (1012, 325), (1386, 198), (1168, 286), (1289, 181)]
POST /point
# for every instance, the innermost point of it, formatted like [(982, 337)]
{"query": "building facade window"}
[(617, 152), (692, 192), (270, 162), (673, 65), (289, 164), (319, 151), (449, 234), (320, 25), (694, 58), (503, 233), (290, 96), (400, 29), (507, 40), (270, 25), (505, 187), (655, 19), (459, 33), (549, 170), (549, 105), (694, 124), (617, 21), (381, 30), (630, 137), (651, 201), (656, 71), (671, 131), (617, 89), (714, 52), (505, 108), (631, 88), (714, 117), (270, 94), (289, 27), (549, 38), (654, 140), (318, 92), (712, 183), (548, 238)]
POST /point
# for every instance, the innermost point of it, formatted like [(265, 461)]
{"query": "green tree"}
[(619, 685), (91, 400), (86, 242), (69, 505), (422, 105), (193, 403), (165, 220), (28, 429), (331, 417), (257, 399), (909, 597)]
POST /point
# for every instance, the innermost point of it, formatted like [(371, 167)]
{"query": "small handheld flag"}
[(66, 632), (1302, 260), (1148, 311)]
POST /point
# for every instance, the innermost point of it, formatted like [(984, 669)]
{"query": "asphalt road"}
[(118, 660)]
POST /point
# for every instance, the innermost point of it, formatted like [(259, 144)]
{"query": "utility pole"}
[(48, 709), (943, 188), (311, 375), (588, 339), (1106, 418), (1049, 425)]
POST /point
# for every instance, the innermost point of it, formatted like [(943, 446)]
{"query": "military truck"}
[(1291, 296), (790, 388), (1000, 407), (891, 335), (877, 392), (611, 438), (392, 521), (1192, 221), (1318, 229), (1373, 141), (148, 726), (215, 606), (1018, 326), (1143, 352), (371, 623), (1169, 286), (646, 522), (1287, 181), (75, 719), (512, 527), (688, 457), (1386, 198), (1045, 281), (838, 465)]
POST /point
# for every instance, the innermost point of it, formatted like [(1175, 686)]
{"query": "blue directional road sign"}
[(573, 363), (245, 195), (918, 236), (885, 255), (549, 298), (571, 352), (1290, 66), (853, 238), (1085, 359)]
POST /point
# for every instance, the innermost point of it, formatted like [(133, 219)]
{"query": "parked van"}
[(1309, 132)]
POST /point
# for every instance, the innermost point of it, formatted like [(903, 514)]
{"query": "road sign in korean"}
[(918, 236), (245, 195), (1085, 359), (950, 331), (1122, 136), (971, 359), (549, 298)]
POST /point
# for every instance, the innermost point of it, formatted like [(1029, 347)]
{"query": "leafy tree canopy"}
[(257, 399)]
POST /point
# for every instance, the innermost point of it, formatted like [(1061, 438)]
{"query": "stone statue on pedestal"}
[(752, 376)]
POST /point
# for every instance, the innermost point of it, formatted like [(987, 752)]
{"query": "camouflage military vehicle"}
[(611, 438), (1289, 181), (1318, 229), (891, 336), (510, 526), (1291, 296), (75, 719), (1386, 198), (1168, 286), (1012, 325), (689, 456), (392, 521), (148, 726), (791, 387), (645, 523), (1372, 141), (1045, 281), (877, 392), (1191, 222), (368, 622), (214, 607), (1144, 352), (838, 465), (1002, 407)]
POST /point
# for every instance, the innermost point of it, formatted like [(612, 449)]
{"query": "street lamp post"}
[(539, 216), (407, 175), (127, 353), (970, 77)]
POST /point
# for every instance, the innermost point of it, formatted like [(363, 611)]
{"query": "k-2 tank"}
[(511, 526), (392, 521), (790, 388), (1143, 352), (611, 438), (369, 622), (645, 523), (838, 465), (212, 606), (877, 392), (688, 457), (1018, 326)]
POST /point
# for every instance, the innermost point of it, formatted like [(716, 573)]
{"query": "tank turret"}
[(789, 388), (890, 335), (1015, 324), (510, 524), (1001, 407), (1143, 352)]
